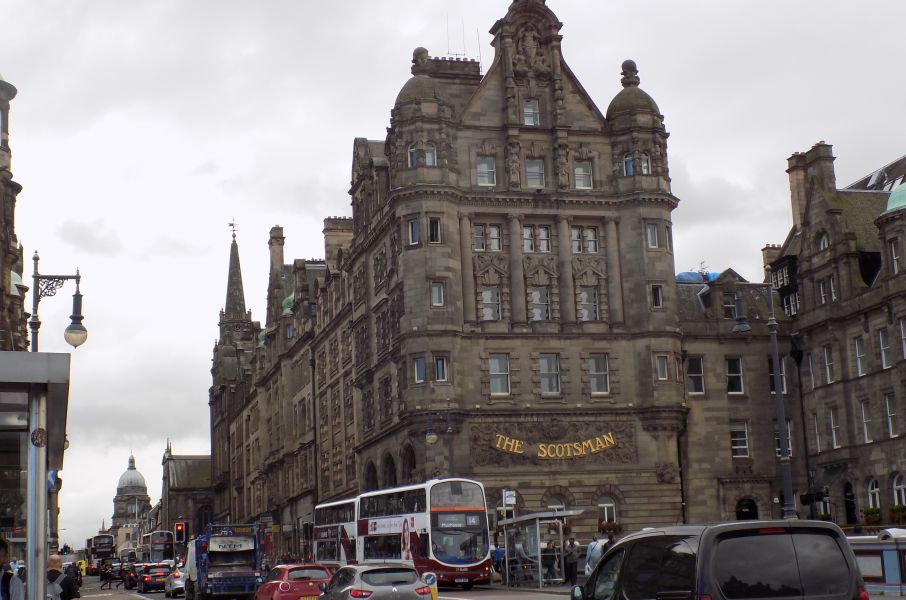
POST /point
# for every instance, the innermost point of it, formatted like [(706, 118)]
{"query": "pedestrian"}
[(59, 586), (11, 587), (593, 554), (73, 572), (571, 560), (498, 559), (106, 575)]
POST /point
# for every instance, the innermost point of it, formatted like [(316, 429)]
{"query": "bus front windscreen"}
[(459, 538)]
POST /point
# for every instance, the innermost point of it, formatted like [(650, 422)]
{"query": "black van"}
[(728, 561)]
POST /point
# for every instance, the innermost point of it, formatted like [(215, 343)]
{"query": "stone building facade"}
[(131, 508), (13, 303), (186, 495), (506, 283), (840, 276)]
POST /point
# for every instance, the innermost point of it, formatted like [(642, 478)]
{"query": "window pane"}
[(419, 370), (430, 155), (544, 238), (478, 237), (540, 304), (583, 175), (499, 367), (528, 239), (413, 232), (549, 365), (434, 230), (494, 239), (591, 239), (490, 303), (598, 374), (440, 368), (534, 172), (530, 115), (588, 303), (487, 171), (651, 230), (437, 294), (695, 376), (757, 566), (576, 240)]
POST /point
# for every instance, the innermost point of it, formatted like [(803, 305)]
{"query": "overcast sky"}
[(142, 128)]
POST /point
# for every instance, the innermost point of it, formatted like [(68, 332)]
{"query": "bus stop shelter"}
[(533, 546)]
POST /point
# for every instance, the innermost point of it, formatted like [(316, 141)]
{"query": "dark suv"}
[(728, 561)]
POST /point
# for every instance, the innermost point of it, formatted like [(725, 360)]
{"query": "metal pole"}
[(789, 509), (35, 323), (36, 488)]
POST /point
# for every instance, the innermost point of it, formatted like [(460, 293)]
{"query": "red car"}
[(293, 582)]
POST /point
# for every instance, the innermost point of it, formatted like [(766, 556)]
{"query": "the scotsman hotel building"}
[(507, 283)]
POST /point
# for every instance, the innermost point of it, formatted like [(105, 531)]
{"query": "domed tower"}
[(892, 226), (131, 502)]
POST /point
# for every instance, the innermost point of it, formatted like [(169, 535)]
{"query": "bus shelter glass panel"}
[(551, 543), (522, 556)]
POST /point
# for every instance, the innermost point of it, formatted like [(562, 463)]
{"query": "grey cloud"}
[(94, 237)]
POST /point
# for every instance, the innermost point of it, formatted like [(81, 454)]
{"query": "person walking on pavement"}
[(593, 555), (571, 560), (106, 575), (11, 587), (59, 585)]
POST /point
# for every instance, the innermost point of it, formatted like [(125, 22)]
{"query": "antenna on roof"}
[(478, 39)]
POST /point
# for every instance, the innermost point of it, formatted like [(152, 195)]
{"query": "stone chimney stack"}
[(275, 243), (337, 236), (817, 164)]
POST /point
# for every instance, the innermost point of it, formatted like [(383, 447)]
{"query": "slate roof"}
[(859, 209), (189, 472)]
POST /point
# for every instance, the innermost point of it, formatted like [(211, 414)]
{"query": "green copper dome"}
[(897, 198)]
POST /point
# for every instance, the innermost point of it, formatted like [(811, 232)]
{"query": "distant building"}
[(840, 277), (131, 506), (507, 283), (13, 302), (186, 495)]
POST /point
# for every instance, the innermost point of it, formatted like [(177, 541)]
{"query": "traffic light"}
[(179, 533)]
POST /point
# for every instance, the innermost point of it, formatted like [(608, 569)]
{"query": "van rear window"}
[(779, 565)]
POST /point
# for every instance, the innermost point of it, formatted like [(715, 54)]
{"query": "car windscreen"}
[(379, 577), (307, 574), (771, 563)]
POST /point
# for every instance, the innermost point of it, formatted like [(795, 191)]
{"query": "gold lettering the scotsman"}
[(559, 450)]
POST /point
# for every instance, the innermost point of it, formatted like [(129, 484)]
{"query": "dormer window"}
[(823, 241), (413, 156), (531, 116), (430, 155)]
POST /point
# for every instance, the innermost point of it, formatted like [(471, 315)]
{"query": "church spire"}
[(234, 309)]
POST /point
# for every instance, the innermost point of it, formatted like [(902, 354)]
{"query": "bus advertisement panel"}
[(334, 532), (439, 526)]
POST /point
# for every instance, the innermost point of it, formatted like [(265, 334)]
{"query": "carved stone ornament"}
[(667, 472), (483, 261), (594, 264), (562, 166), (533, 263), (513, 165), (531, 59)]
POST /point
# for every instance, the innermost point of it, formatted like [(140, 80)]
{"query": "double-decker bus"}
[(102, 549), (440, 526), (157, 546), (334, 532)]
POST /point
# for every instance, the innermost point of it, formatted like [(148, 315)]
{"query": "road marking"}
[(95, 595), (452, 598)]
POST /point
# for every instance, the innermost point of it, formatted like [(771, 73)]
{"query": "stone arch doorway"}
[(746, 510), (371, 481), (849, 502)]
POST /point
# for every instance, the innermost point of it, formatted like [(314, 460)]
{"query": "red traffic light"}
[(179, 529)]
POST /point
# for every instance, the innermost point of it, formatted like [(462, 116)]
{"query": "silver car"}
[(376, 582), (176, 582)]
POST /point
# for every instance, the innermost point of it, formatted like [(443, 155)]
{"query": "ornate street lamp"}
[(742, 326), (47, 285)]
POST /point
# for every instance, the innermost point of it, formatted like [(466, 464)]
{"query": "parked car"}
[(293, 582), (153, 577), (400, 582), (176, 582), (742, 559)]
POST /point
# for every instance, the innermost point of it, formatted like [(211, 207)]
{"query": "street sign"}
[(509, 497)]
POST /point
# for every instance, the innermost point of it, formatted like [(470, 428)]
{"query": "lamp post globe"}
[(75, 334)]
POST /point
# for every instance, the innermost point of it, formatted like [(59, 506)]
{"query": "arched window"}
[(407, 465), (413, 156), (644, 165), (371, 482), (874, 494), (823, 241), (627, 165), (388, 471), (430, 155), (607, 510), (899, 490)]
